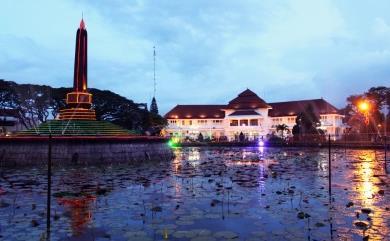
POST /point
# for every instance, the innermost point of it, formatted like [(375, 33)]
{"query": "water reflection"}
[(367, 174), (80, 211), (255, 194), (194, 157), (366, 187)]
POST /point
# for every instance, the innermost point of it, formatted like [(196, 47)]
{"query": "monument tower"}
[(79, 101)]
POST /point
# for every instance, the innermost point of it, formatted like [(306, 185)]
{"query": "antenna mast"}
[(154, 71)]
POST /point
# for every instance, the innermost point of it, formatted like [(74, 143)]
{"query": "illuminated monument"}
[(79, 137), (79, 101), (78, 118)]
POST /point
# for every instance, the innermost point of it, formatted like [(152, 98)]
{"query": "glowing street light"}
[(364, 106)]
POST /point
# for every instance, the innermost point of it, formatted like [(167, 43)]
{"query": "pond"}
[(205, 194)]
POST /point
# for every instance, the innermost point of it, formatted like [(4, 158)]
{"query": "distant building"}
[(9, 121), (249, 114)]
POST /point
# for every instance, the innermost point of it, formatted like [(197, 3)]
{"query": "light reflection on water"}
[(366, 187), (368, 173), (80, 209), (242, 190)]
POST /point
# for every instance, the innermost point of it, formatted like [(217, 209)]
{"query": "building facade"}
[(9, 122), (250, 115)]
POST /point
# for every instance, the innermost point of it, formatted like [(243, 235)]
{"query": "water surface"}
[(205, 194)]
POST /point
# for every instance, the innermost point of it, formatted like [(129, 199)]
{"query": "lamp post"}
[(364, 108), (386, 113), (48, 203)]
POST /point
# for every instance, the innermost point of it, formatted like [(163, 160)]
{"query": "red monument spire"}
[(82, 24), (80, 59), (79, 101)]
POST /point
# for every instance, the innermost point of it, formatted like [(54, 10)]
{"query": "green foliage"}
[(38, 103), (378, 98), (307, 123), (153, 106), (282, 128)]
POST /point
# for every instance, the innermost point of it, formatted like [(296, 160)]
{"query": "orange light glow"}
[(363, 106)]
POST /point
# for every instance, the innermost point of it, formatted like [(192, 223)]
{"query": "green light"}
[(170, 143), (173, 143)]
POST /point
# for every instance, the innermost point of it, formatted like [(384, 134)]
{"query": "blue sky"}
[(207, 51)]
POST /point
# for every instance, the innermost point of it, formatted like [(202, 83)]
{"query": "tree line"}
[(377, 116), (35, 104)]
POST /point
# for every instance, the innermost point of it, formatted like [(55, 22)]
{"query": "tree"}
[(200, 137), (241, 137), (306, 124), (156, 123), (377, 97), (153, 106), (38, 103), (282, 128)]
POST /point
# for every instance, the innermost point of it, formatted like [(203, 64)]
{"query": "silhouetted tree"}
[(306, 124), (36, 104), (282, 128), (241, 137), (153, 106), (200, 137), (378, 97)]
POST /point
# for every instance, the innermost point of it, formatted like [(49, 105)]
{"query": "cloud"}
[(207, 51)]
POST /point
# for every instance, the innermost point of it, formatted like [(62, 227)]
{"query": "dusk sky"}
[(207, 51)]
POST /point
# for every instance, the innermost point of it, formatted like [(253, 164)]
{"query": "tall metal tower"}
[(154, 71), (153, 105)]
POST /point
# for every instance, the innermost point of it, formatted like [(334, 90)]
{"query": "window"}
[(190, 122), (183, 123), (172, 121), (202, 121), (291, 119), (233, 122), (254, 122), (243, 122), (217, 121)]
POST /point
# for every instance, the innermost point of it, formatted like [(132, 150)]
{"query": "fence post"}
[(329, 170), (345, 141), (48, 207), (385, 154)]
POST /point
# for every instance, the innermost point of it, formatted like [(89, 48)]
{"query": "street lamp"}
[(364, 107)]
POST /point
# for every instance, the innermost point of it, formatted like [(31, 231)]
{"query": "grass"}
[(77, 128)]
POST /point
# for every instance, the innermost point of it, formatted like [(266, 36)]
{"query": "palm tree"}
[(282, 128)]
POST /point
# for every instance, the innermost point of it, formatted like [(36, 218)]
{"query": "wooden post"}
[(345, 142), (329, 171), (48, 207), (385, 154)]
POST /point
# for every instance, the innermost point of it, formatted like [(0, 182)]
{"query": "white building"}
[(249, 114), (9, 122)]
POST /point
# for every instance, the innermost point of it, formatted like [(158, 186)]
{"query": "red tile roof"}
[(245, 103), (292, 108), (196, 112), (247, 100)]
